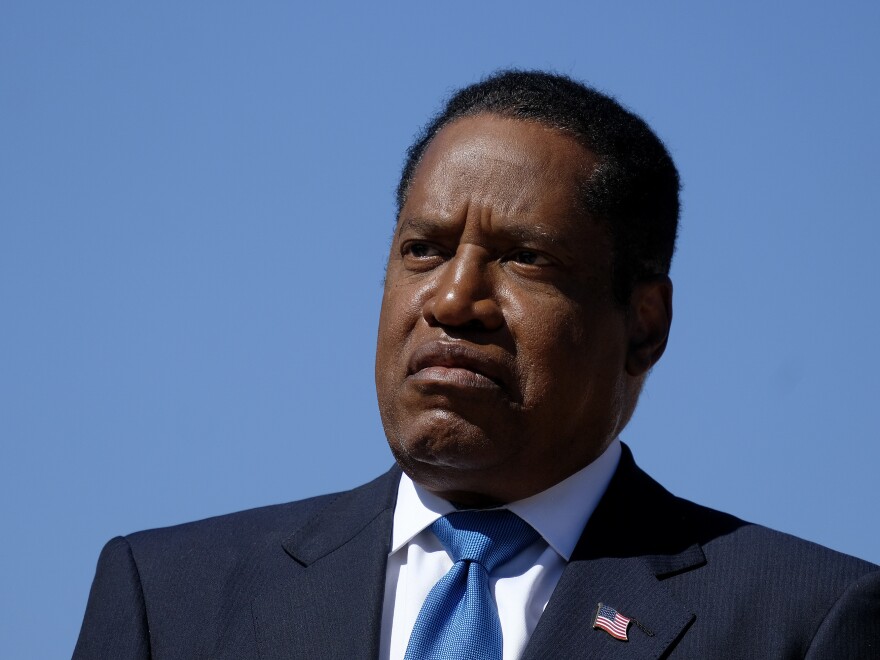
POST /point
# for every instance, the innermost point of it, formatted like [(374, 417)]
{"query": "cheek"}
[(568, 355), (397, 315), (398, 319), (547, 339)]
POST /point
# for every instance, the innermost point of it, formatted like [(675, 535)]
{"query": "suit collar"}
[(328, 602), (639, 535), (343, 519), (637, 517)]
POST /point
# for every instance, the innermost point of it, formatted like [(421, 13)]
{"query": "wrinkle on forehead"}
[(492, 182)]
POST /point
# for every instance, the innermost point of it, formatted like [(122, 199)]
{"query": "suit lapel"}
[(566, 627), (324, 599), (634, 540)]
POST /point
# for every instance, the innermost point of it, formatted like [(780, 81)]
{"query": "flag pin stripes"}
[(611, 621)]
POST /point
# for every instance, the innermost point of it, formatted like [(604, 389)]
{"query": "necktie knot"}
[(489, 538)]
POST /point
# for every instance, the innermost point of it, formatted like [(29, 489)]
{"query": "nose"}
[(464, 295)]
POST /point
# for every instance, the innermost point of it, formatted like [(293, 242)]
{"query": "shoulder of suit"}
[(244, 532), (761, 564), (727, 539), (722, 534)]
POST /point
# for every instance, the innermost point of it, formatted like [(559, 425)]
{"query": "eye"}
[(528, 258), (420, 255), (420, 250)]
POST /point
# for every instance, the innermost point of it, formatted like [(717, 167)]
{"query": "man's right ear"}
[(649, 320)]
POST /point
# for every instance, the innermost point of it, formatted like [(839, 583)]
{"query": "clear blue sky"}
[(195, 205)]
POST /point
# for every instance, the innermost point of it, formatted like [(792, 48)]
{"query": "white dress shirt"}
[(521, 587)]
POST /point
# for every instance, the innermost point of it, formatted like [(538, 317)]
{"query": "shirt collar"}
[(559, 514)]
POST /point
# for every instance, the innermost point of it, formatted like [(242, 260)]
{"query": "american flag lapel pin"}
[(611, 621)]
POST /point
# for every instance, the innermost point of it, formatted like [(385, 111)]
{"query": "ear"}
[(649, 318)]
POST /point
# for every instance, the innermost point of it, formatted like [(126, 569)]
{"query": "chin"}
[(447, 443), (464, 485)]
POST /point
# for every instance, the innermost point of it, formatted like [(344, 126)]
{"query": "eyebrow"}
[(520, 233), (531, 234), (419, 224)]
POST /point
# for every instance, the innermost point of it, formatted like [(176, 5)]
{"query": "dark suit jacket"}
[(306, 580)]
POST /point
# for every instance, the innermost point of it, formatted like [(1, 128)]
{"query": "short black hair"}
[(634, 187)]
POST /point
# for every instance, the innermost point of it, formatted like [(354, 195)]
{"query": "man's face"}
[(501, 359)]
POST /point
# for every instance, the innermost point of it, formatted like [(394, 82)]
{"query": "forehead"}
[(513, 166)]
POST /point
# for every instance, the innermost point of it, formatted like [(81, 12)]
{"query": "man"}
[(526, 298)]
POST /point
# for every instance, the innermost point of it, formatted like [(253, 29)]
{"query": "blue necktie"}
[(459, 619)]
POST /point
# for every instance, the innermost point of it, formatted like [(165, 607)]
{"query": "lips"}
[(459, 365)]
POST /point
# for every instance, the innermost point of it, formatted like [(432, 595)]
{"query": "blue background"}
[(196, 199)]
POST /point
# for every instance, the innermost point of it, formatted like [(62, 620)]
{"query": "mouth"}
[(456, 365)]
